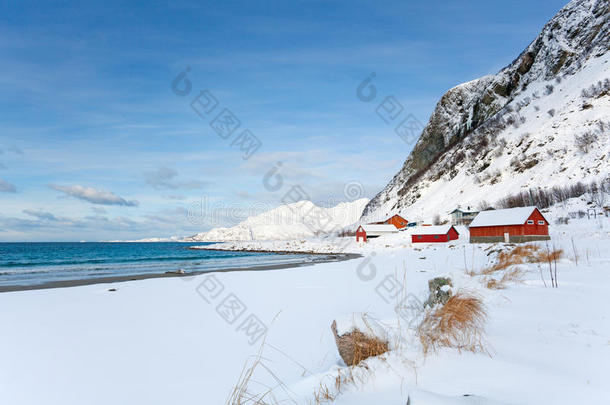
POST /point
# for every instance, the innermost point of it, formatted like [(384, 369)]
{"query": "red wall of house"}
[(360, 234), (451, 235), (513, 230)]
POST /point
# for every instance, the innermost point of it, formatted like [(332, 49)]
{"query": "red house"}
[(512, 225), (373, 231), (433, 234), (396, 220)]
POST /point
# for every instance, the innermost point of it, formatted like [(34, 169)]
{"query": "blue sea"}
[(27, 264)]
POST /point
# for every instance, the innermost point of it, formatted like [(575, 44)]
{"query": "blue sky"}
[(95, 145)]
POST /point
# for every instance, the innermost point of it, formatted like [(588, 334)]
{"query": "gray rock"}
[(439, 294)]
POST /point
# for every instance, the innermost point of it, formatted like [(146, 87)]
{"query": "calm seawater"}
[(38, 263)]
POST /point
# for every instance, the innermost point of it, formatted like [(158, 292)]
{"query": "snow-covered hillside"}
[(298, 220), (542, 121)]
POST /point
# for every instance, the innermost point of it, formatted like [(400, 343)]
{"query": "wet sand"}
[(117, 279)]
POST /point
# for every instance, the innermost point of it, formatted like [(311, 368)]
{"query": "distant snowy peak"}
[(297, 220), (522, 127)]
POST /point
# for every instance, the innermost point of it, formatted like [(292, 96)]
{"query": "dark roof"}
[(463, 212)]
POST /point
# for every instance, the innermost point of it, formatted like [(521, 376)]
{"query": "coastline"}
[(333, 257), (279, 252)]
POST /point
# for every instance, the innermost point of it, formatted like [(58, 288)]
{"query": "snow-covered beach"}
[(172, 341)]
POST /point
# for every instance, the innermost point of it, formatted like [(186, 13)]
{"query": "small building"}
[(433, 234), (373, 231), (398, 221), (462, 217), (512, 225)]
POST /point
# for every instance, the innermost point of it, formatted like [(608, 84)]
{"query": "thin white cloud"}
[(6, 187), (165, 178), (94, 196), (42, 215), (98, 210)]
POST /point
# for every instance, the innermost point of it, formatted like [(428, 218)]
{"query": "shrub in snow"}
[(544, 198), (562, 221), (515, 162), (483, 206), (360, 339), (436, 220), (458, 324), (586, 106), (597, 90), (584, 141)]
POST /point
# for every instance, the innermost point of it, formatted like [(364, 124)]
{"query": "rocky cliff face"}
[(484, 115)]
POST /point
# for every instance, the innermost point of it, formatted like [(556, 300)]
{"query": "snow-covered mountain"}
[(298, 220), (542, 121)]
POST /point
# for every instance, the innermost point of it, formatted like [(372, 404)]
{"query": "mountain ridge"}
[(297, 220), (472, 119)]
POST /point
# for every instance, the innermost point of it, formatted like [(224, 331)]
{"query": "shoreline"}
[(279, 252), (333, 257)]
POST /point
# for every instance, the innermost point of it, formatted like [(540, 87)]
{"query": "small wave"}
[(119, 260)]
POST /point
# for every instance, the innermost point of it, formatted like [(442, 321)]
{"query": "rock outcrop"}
[(474, 118)]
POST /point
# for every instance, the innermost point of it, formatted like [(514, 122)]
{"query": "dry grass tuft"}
[(242, 394), (471, 273), (514, 275), (494, 284), (549, 256), (357, 346), (518, 255), (249, 390), (521, 254), (354, 347), (323, 394), (365, 346), (459, 324), (350, 376)]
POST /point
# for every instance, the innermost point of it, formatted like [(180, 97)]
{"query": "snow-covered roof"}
[(432, 230), (509, 216), (379, 228)]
